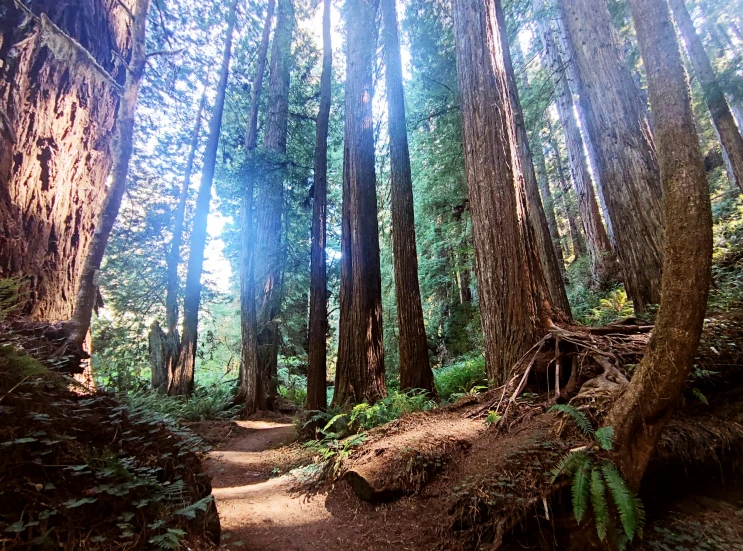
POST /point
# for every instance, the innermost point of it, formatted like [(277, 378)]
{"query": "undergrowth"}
[(213, 402), (462, 378)]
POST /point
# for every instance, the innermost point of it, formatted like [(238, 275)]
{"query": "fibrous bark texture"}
[(182, 378), (510, 302), (722, 116), (57, 117), (543, 239), (318, 326), (359, 373), (597, 240), (642, 413), (270, 206), (415, 370), (548, 201), (625, 153), (249, 391)]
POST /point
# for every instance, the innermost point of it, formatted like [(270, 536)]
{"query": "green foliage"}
[(10, 296), (614, 307), (292, 388), (591, 478), (456, 380), (493, 418), (213, 402)]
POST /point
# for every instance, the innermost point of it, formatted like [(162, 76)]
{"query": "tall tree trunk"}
[(87, 289), (597, 240), (627, 165), (548, 201), (165, 347), (543, 239), (645, 408), (182, 378), (415, 370), (318, 326), (55, 153), (512, 291), (359, 373), (250, 386), (722, 116), (270, 205)]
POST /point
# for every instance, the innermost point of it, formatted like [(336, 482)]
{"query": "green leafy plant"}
[(614, 307), (461, 379), (10, 296), (595, 477)]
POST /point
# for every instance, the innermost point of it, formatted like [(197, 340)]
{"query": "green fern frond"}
[(333, 420), (581, 483), (640, 508), (578, 416), (605, 437), (568, 464), (598, 502), (699, 396), (629, 514)]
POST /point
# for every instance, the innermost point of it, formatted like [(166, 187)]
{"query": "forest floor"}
[(263, 510)]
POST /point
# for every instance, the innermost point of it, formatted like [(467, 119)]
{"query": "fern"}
[(598, 502), (581, 482), (605, 437), (569, 464), (578, 416), (631, 512)]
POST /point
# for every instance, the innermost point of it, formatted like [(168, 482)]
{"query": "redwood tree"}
[(55, 144), (318, 326), (415, 370), (512, 300), (642, 412), (625, 154), (359, 372), (182, 378), (722, 116), (270, 204)]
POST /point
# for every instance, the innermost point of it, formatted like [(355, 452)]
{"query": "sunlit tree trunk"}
[(249, 392), (318, 326), (270, 206), (512, 291), (642, 412), (415, 370), (87, 288), (182, 378), (540, 167), (626, 162), (360, 370), (55, 144), (722, 116)]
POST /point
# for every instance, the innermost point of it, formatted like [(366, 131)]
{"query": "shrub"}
[(456, 380), (211, 402)]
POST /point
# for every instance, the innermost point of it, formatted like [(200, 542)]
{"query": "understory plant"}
[(595, 479)]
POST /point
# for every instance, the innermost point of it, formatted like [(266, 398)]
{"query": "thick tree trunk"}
[(182, 378), (512, 302), (123, 146), (543, 239), (625, 154), (645, 408), (597, 240), (722, 116), (54, 143), (415, 370), (250, 385), (318, 326), (270, 206), (548, 201), (359, 373)]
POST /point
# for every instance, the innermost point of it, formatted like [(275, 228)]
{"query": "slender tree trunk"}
[(548, 201), (359, 373), (645, 408), (415, 370), (512, 292), (87, 290), (270, 204), (627, 165), (182, 378), (722, 116), (318, 326), (250, 389), (597, 240), (165, 347), (55, 154)]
